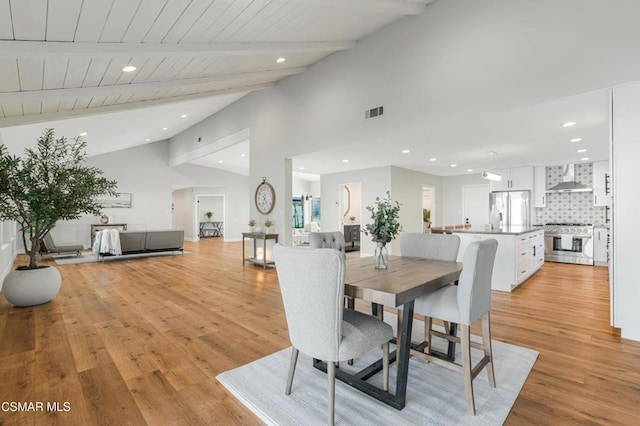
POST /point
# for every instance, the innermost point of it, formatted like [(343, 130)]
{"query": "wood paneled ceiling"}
[(64, 58)]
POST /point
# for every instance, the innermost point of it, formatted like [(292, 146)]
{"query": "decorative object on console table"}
[(267, 225), (252, 224), (385, 227)]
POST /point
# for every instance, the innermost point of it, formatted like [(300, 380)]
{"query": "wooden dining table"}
[(404, 280)]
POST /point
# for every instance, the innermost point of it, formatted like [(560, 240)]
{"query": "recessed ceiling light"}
[(405, 151), (147, 140), (242, 155), (454, 165), (183, 116), (164, 128), (220, 161), (432, 159), (345, 161), (569, 124), (300, 168), (83, 134), (575, 140), (584, 159), (281, 60), (469, 170), (582, 150), (129, 68)]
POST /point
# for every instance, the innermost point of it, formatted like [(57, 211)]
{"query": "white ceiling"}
[(61, 61)]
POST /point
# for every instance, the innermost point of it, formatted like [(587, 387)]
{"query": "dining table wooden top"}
[(405, 279)]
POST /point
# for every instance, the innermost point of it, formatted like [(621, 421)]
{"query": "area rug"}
[(435, 395), (90, 257)]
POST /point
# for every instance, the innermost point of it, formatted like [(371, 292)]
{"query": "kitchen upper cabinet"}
[(540, 186), (601, 183), (516, 179)]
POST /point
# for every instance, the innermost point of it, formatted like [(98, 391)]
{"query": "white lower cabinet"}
[(601, 246), (519, 256)]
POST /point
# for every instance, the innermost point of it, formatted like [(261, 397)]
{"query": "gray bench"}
[(135, 242)]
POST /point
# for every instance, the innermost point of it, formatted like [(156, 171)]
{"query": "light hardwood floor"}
[(140, 341)]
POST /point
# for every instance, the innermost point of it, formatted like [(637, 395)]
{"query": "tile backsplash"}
[(570, 207)]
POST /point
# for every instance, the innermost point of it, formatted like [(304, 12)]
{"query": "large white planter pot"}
[(30, 287)]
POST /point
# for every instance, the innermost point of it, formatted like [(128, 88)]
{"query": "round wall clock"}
[(265, 197)]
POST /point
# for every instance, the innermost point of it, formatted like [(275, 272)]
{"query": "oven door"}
[(576, 250)]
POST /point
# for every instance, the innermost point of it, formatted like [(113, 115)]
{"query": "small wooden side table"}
[(254, 258)]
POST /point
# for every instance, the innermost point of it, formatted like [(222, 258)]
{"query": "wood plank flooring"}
[(140, 341)]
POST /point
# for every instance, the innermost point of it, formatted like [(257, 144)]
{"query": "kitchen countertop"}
[(513, 230)]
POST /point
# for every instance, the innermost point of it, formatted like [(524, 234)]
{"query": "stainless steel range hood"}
[(568, 183)]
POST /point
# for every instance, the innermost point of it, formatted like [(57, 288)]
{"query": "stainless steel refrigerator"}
[(512, 207)]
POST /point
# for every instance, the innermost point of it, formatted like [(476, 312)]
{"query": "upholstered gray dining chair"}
[(312, 285), (327, 240), (463, 304), (428, 246)]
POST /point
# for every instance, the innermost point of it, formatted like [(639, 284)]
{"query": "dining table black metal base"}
[(401, 355)]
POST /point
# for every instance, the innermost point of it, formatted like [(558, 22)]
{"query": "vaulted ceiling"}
[(64, 58)]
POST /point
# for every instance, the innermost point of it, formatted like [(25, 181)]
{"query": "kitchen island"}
[(520, 253)]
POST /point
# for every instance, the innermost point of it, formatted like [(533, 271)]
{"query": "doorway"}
[(428, 204), (209, 216), (475, 205)]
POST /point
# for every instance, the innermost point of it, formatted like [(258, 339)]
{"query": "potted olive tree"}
[(50, 183)]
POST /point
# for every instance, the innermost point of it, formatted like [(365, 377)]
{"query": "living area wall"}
[(144, 172)]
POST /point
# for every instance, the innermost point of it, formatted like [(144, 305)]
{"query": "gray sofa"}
[(133, 242)]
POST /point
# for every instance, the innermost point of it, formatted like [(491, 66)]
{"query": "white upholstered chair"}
[(327, 240), (463, 304), (428, 246), (312, 286)]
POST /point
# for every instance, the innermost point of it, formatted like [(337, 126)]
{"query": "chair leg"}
[(488, 352), (292, 369), (428, 324), (385, 366), (466, 367), (331, 374)]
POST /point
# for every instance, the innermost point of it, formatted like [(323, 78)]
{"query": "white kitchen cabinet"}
[(516, 179), (540, 186), (600, 245), (519, 255), (601, 183)]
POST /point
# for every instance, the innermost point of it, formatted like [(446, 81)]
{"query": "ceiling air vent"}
[(373, 112)]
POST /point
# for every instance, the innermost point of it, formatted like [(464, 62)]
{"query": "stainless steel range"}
[(568, 243)]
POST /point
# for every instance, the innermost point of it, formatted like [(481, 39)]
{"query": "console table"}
[(258, 260), (100, 226)]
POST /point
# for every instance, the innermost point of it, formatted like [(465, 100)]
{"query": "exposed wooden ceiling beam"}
[(399, 7), (40, 118), (90, 92), (44, 49)]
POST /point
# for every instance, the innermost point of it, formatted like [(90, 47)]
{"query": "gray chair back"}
[(48, 243), (333, 240), (430, 246), (312, 287), (474, 284)]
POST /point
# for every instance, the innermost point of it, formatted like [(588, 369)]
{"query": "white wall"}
[(144, 171), (406, 187), (626, 205), (183, 212)]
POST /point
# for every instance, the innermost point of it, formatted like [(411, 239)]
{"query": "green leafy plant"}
[(208, 215), (384, 213), (426, 215), (50, 183)]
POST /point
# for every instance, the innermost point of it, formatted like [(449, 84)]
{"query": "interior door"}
[(475, 205)]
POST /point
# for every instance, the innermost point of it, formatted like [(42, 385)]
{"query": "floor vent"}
[(373, 112)]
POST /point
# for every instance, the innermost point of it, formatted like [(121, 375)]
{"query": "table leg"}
[(243, 255), (264, 252)]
